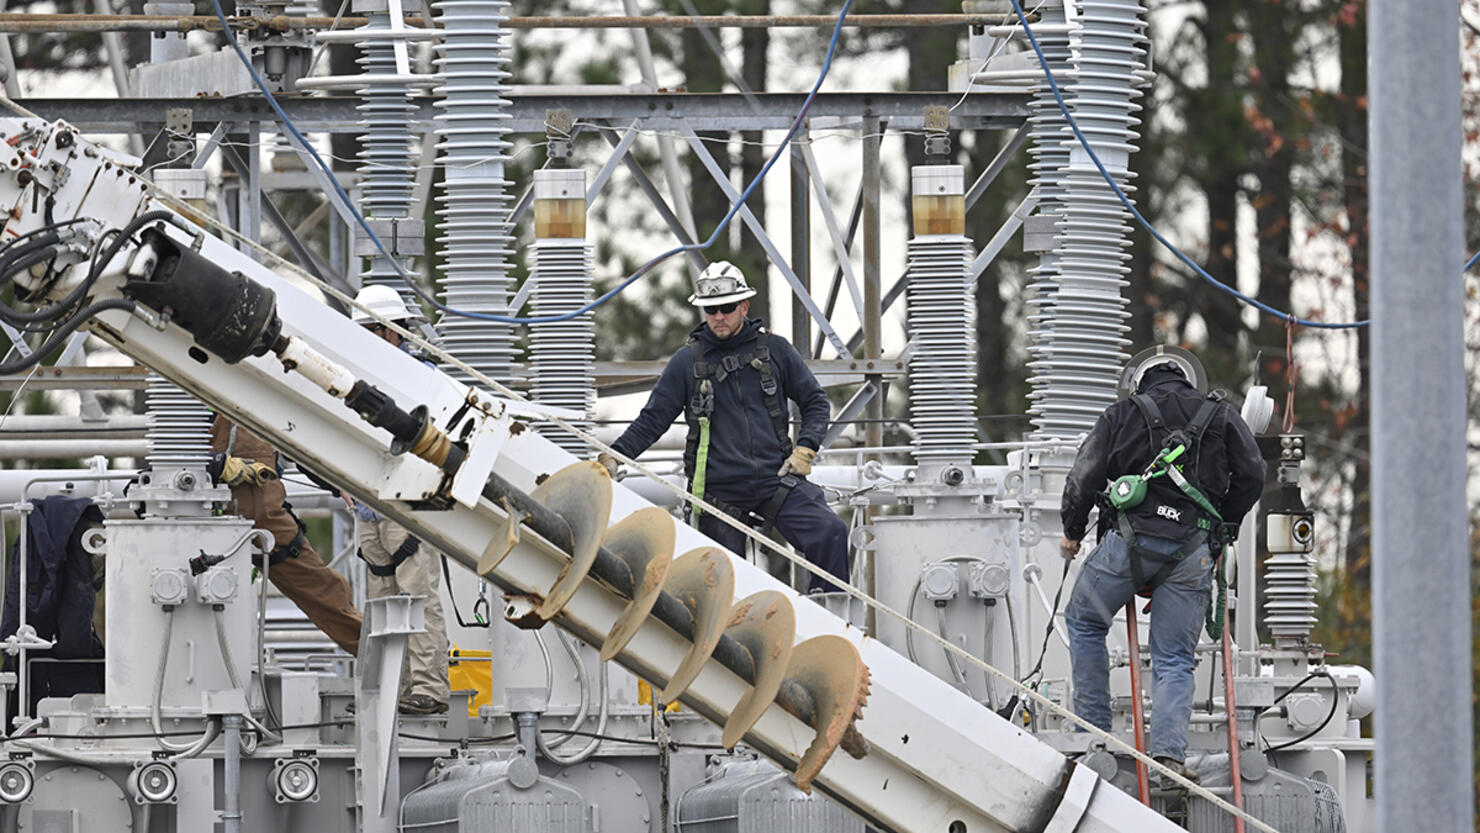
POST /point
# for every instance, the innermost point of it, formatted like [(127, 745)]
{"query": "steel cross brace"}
[(777, 259), (830, 217), (598, 184)]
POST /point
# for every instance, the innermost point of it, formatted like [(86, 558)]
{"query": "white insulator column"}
[(387, 169), (1290, 599), (474, 208), (1079, 330), (1050, 162), (179, 428), (942, 326), (562, 354)]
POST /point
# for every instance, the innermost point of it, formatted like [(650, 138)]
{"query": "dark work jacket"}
[(59, 596), (1228, 468), (744, 451)]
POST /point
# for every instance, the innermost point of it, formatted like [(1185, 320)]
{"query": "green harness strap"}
[(1216, 611), (701, 462)]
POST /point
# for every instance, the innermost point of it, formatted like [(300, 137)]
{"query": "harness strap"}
[(293, 547), (1138, 570), (701, 405), (407, 549), (701, 464), (778, 499)]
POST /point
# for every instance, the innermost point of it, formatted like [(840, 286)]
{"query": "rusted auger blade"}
[(822, 681), (765, 625), (826, 686), (704, 582), (581, 493), (643, 541)]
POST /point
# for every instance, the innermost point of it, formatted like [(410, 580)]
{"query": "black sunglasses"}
[(722, 309)]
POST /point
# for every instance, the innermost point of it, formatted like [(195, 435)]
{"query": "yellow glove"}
[(799, 463), (235, 471), (609, 462)]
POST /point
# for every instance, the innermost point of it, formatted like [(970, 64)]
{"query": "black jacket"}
[(60, 595), (1228, 467), (744, 451)]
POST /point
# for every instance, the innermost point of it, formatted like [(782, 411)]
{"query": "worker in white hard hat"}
[(396, 560), (732, 382), (1173, 471)]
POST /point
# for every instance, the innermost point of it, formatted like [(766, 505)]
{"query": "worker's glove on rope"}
[(234, 471), (799, 463), (609, 462)]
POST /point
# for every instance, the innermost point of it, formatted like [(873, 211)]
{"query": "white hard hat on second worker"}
[(721, 282), (381, 300)]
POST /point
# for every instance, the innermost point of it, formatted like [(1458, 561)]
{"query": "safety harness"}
[(701, 408), (407, 549), (293, 548), (1129, 492)]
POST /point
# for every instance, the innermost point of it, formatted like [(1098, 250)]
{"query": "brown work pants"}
[(321, 593)]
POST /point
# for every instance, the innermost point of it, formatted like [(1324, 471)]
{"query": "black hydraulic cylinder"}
[(230, 315)]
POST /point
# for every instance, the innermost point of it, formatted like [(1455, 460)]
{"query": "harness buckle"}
[(702, 403), (730, 363)]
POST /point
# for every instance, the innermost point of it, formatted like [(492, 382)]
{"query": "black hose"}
[(60, 334), (95, 270), (15, 267), (1335, 698)]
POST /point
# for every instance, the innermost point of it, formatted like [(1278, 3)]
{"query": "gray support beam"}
[(1421, 606), (618, 156), (801, 239), (748, 217), (873, 314), (526, 113), (213, 142), (1004, 234), (667, 147), (598, 183), (996, 166), (855, 215), (840, 245), (695, 258), (301, 253)]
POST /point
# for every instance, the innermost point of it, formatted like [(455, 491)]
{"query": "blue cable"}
[(1470, 264), (629, 280), (1074, 125)]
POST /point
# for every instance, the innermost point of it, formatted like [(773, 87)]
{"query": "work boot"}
[(1175, 766), (420, 704)]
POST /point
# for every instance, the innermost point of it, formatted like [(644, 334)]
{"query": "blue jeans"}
[(1179, 605)]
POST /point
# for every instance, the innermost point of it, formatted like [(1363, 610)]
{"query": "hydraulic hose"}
[(60, 334)]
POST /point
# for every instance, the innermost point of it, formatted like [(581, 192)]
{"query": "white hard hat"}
[(381, 300), (720, 283)]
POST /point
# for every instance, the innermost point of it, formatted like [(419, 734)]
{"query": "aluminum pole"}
[(872, 317), (801, 241), (1420, 556)]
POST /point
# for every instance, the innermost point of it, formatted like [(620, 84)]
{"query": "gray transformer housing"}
[(756, 797), (509, 796), (1287, 802)]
